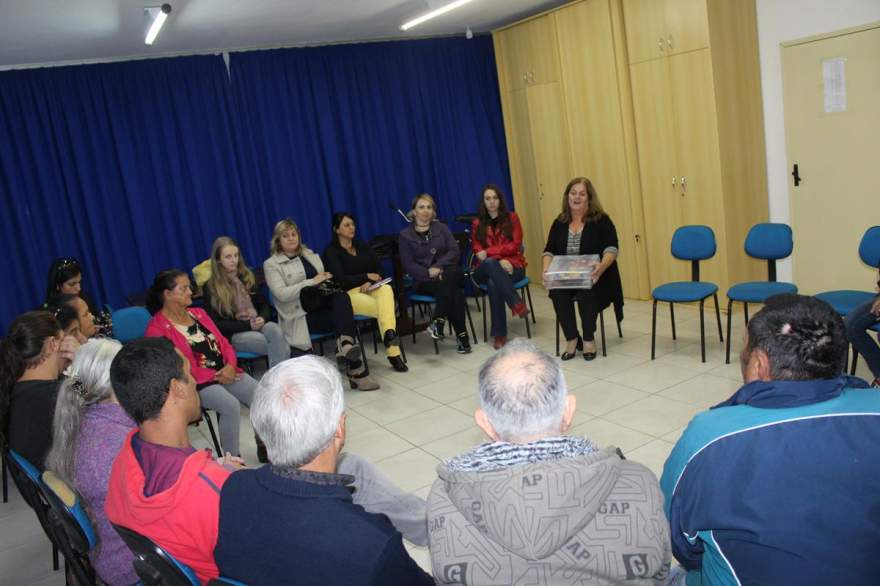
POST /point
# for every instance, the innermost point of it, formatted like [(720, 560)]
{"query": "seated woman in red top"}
[(222, 386), (496, 239)]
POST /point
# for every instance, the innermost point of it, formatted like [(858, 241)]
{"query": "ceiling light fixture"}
[(158, 14), (428, 16)]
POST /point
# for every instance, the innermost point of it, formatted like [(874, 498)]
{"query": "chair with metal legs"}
[(693, 243)]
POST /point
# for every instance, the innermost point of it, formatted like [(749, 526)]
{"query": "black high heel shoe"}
[(398, 364), (578, 347), (590, 355)]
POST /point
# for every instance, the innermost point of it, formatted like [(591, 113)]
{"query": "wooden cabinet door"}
[(524, 179), (687, 25), (513, 52), (645, 29), (542, 55), (655, 133), (595, 120), (697, 150), (550, 146)]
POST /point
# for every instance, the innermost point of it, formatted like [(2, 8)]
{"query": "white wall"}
[(786, 20)]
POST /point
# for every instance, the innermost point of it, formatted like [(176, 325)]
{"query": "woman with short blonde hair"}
[(294, 268)]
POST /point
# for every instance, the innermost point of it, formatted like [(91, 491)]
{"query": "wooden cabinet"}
[(529, 59), (593, 69), (700, 142), (658, 103), (658, 28)]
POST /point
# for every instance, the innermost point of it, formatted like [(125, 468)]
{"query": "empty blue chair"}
[(693, 243), (769, 242), (130, 323), (844, 301)]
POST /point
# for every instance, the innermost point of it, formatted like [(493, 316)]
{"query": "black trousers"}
[(450, 296), (334, 316), (588, 307)]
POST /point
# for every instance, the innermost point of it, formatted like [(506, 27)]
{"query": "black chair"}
[(26, 478), (5, 479), (153, 565), (206, 416), (72, 528)]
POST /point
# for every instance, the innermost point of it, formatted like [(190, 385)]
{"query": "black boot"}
[(398, 364), (390, 339)]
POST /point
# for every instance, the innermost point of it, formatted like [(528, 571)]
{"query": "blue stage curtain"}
[(355, 127), (130, 167)]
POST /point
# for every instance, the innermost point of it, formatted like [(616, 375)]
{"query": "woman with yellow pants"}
[(356, 268)]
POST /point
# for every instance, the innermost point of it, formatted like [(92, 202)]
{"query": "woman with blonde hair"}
[(89, 428), (357, 269), (307, 301), (583, 227), (237, 307), (430, 255)]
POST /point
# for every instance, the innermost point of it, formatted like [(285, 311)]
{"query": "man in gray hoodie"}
[(536, 507)]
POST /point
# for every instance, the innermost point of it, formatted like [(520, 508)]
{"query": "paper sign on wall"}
[(834, 78)]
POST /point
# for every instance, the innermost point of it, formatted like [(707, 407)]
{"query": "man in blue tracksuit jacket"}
[(780, 484)]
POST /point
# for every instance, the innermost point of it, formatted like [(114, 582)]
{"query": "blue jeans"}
[(499, 286), (857, 322)]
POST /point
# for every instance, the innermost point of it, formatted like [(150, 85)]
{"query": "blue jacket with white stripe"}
[(778, 485)]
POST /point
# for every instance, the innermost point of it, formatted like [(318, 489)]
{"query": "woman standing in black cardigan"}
[(584, 228)]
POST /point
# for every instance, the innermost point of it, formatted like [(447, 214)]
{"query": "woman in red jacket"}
[(496, 239), (222, 386)]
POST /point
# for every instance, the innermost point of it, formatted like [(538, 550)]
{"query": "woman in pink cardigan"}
[(222, 386)]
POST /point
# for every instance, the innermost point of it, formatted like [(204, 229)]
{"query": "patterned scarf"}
[(241, 299), (499, 455)]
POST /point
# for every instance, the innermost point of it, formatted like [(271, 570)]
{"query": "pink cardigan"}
[(161, 327)]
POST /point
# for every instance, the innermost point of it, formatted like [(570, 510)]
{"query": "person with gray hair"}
[(534, 504), (298, 515), (89, 428)]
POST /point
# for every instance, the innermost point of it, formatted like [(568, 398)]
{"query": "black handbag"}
[(312, 298)]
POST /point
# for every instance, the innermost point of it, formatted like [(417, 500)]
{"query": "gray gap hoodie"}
[(588, 519)]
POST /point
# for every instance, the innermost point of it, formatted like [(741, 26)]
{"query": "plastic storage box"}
[(571, 271)]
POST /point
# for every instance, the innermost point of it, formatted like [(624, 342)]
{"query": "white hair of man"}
[(522, 391), (296, 409)]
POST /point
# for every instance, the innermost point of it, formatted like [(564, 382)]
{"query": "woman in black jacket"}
[(584, 228), (357, 269), (240, 311)]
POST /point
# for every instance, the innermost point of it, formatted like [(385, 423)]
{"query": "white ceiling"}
[(55, 31)]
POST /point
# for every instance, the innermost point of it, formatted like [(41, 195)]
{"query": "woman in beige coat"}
[(293, 267)]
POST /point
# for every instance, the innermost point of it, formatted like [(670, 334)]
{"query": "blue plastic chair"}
[(693, 243), (844, 301), (247, 360), (153, 565), (26, 478), (130, 323), (769, 242), (72, 527)]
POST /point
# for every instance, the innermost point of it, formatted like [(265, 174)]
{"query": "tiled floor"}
[(423, 416)]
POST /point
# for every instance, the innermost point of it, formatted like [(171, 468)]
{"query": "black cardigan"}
[(227, 324), (595, 238), (351, 271)]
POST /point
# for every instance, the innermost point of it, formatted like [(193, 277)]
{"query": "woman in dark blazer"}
[(584, 228)]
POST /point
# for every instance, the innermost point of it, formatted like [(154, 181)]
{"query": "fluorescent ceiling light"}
[(161, 13), (442, 10)]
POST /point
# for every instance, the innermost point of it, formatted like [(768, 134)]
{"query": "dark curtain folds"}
[(356, 127), (137, 166), (130, 167)]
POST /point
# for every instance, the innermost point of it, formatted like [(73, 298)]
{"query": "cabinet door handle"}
[(531, 76), (638, 238), (669, 40), (673, 182), (683, 184), (660, 43), (525, 77)]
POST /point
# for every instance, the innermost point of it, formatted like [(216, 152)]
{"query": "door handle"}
[(660, 43), (683, 185), (669, 40), (796, 175), (673, 182)]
